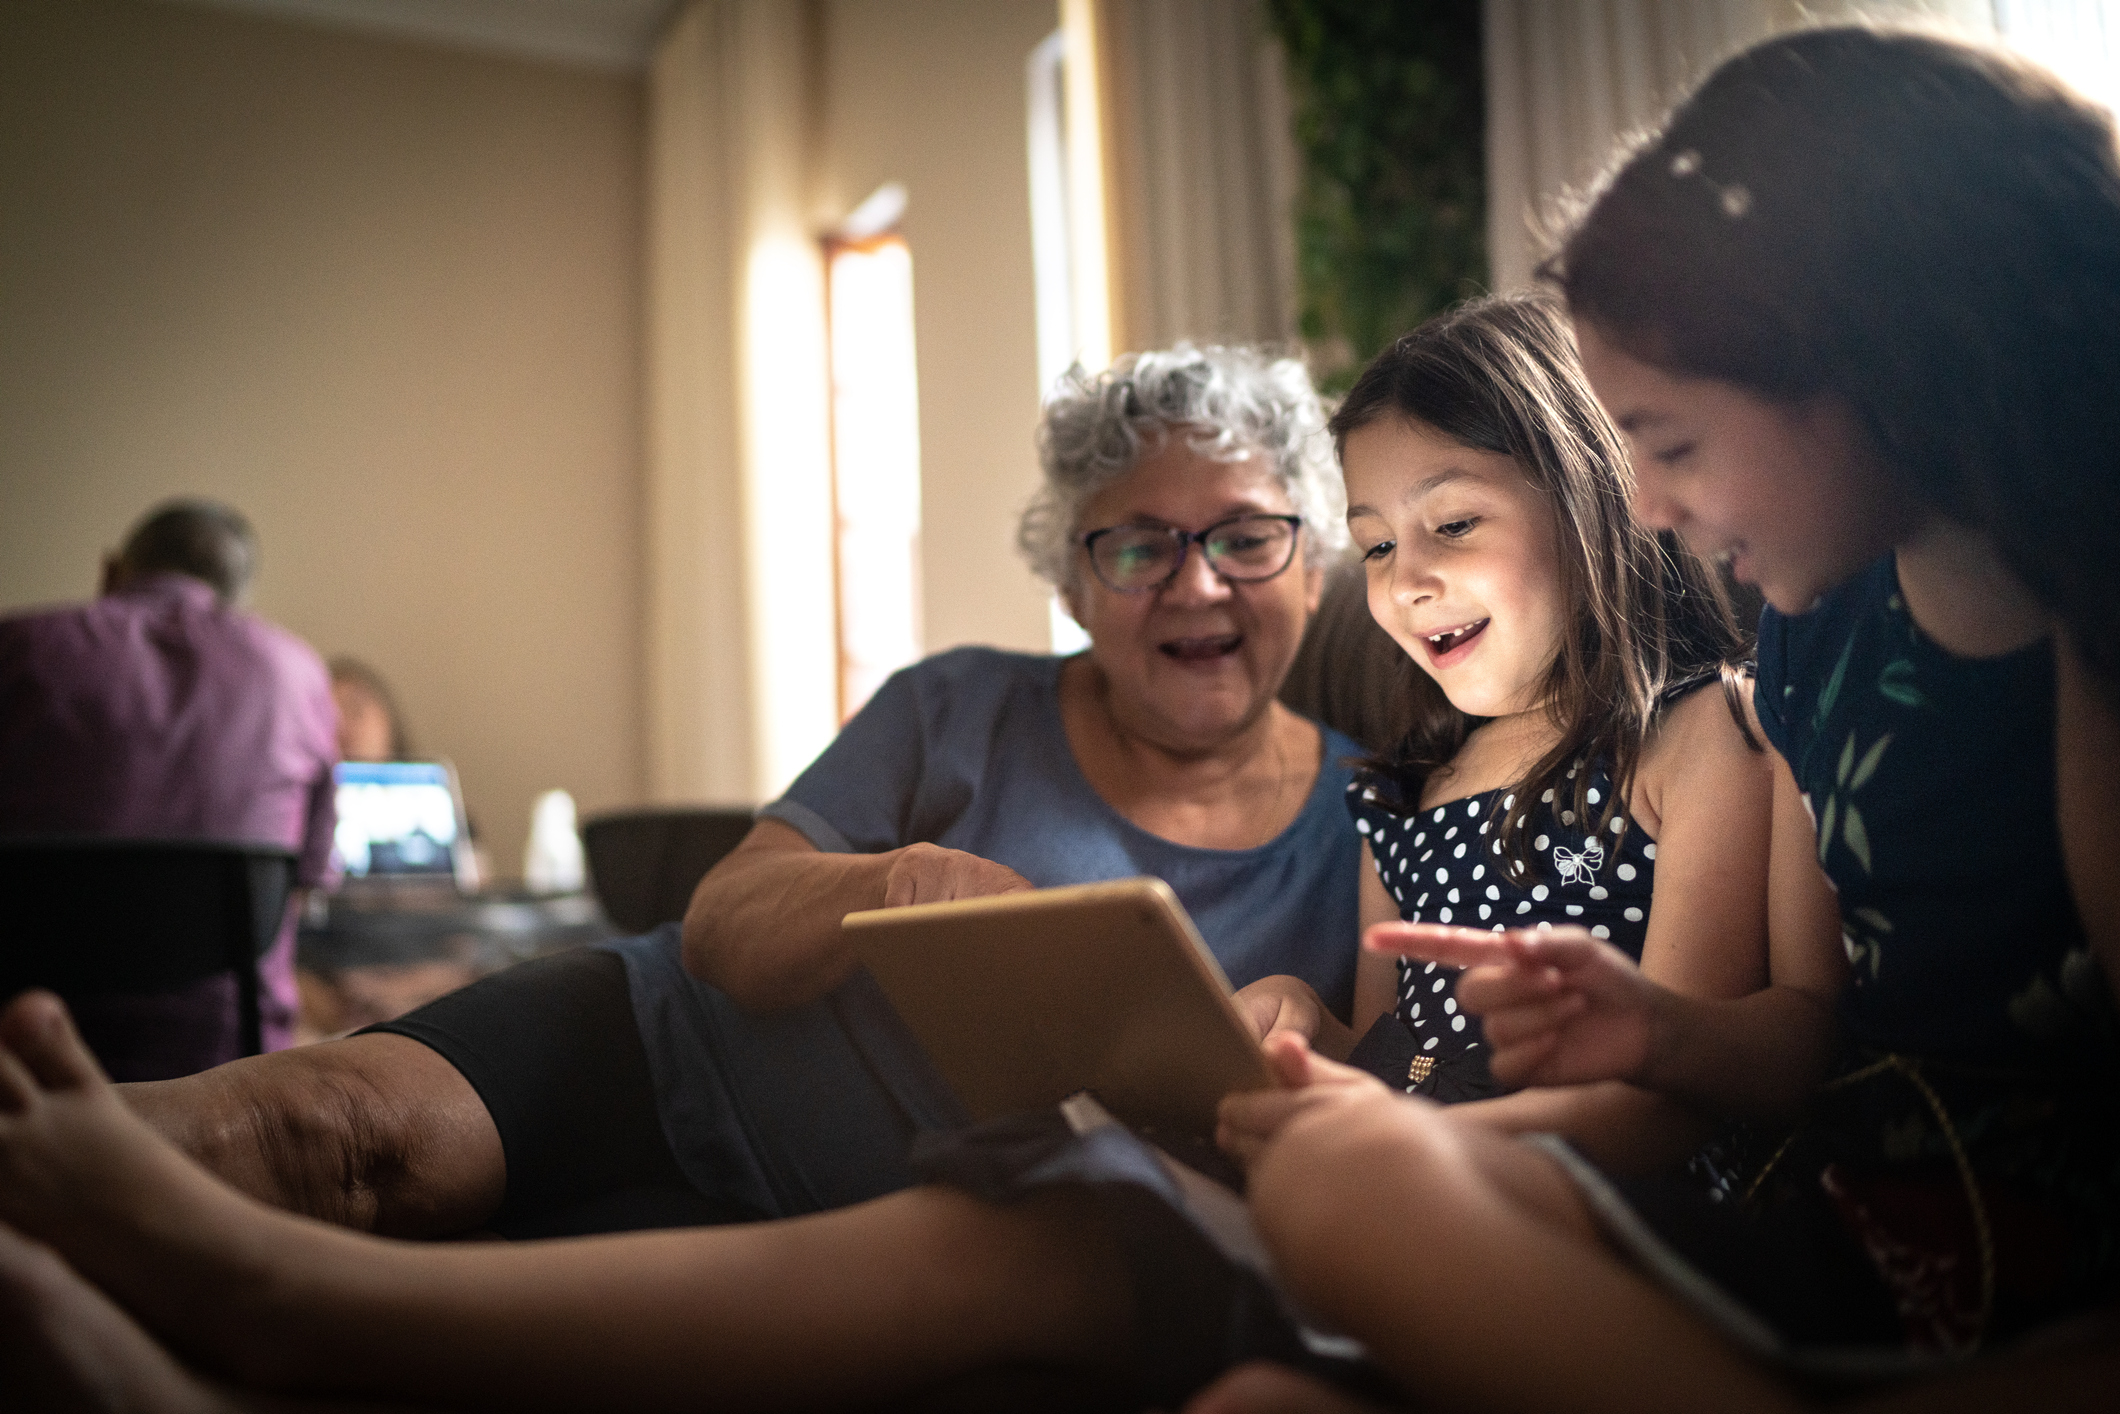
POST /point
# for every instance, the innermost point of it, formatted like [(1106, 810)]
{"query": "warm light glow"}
[(1089, 237), (875, 463), (787, 494)]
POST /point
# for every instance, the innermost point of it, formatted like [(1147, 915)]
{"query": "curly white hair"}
[(1227, 402)]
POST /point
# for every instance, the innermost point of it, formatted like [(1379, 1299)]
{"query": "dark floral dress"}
[(1971, 1143)]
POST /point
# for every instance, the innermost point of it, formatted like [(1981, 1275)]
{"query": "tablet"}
[(1024, 999)]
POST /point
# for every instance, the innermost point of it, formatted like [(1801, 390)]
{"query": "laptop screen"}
[(397, 818)]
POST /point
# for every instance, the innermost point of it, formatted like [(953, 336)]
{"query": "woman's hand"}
[(1308, 1084), (928, 873), (1559, 1007)]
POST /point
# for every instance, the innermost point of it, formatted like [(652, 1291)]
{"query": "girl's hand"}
[(1308, 1084), (1281, 1003), (1559, 1007)]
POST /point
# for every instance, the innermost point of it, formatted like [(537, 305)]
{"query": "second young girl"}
[(1574, 756)]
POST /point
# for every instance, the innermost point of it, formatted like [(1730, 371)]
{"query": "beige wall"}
[(382, 297)]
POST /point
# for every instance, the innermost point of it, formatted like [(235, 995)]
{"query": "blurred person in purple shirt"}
[(163, 710)]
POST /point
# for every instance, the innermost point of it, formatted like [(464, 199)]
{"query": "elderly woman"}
[(749, 1070)]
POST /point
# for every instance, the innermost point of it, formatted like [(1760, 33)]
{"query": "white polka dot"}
[(1524, 907), (1443, 914), (1479, 871), (1648, 851), (1497, 846), (1418, 903), (1542, 841), (1575, 910), (1493, 892), (1459, 852), (1625, 872), (1632, 915), (1598, 891), (1567, 817), (1545, 925), (1429, 1044), (1426, 855), (1472, 807), (1362, 826), (1592, 796), (1440, 984), (1402, 866), (1453, 895), (1619, 826), (1457, 1023), (1600, 931), (1420, 839), (1486, 912), (1416, 1011), (1508, 802), (1484, 824), (1429, 968), (1451, 833), (1547, 798), (1442, 876), (1450, 1006), (1438, 816), (1539, 893), (1499, 928)]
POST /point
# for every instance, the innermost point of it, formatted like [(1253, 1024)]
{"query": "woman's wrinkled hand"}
[(1559, 1007), (1307, 1086), (928, 873)]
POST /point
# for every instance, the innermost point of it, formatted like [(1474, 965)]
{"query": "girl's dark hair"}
[(1500, 375), (1926, 230)]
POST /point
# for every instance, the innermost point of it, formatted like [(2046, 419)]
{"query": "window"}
[(875, 450)]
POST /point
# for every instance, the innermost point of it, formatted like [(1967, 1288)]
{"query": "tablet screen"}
[(396, 818)]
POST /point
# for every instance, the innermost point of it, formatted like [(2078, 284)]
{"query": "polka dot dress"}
[(1445, 865)]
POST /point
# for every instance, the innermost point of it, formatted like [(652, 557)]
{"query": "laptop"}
[(401, 825), (1025, 999)]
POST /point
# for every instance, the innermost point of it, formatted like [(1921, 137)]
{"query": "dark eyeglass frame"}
[(1185, 540)]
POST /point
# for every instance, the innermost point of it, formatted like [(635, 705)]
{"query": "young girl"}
[(1858, 311), (1562, 767)]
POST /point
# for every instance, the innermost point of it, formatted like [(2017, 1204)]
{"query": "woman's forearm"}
[(764, 924)]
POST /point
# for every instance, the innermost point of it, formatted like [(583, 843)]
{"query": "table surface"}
[(369, 954)]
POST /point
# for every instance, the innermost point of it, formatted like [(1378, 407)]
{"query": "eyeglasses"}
[(1242, 549)]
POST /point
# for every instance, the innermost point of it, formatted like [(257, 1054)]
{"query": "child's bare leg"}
[(68, 1349), (1460, 1258), (839, 1306)]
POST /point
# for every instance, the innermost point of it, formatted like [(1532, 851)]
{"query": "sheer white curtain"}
[(1569, 80), (1205, 173)]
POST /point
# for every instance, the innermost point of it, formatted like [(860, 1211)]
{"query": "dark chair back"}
[(644, 864), (104, 917)]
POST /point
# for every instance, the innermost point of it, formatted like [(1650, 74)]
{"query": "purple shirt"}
[(157, 712)]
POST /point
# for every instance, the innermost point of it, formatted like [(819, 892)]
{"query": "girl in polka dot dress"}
[(1574, 752)]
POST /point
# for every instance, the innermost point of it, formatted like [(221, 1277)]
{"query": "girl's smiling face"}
[(1463, 561), (1788, 495)]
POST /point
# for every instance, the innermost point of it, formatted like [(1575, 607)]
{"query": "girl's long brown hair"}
[(1500, 374)]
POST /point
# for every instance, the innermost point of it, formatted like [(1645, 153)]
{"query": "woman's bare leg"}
[(838, 1307), (1462, 1260)]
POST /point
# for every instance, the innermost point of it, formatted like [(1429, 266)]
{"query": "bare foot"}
[(78, 1171), (68, 1349)]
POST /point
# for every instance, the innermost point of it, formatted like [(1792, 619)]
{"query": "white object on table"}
[(552, 859)]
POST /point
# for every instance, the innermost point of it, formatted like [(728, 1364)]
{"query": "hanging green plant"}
[(1390, 121)]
